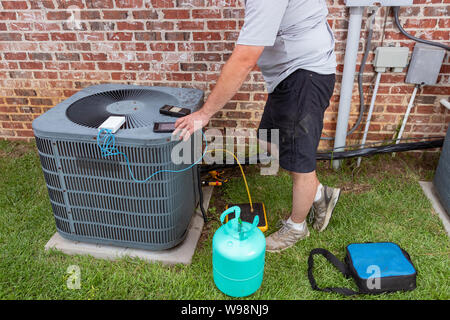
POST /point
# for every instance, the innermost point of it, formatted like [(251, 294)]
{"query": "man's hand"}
[(233, 74), (188, 124)]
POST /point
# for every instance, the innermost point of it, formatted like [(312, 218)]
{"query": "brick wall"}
[(49, 50)]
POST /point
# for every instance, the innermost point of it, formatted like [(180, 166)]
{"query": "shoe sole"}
[(279, 250), (335, 198)]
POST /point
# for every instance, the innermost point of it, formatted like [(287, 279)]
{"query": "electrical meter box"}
[(426, 62)]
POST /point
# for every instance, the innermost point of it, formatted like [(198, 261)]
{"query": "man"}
[(293, 45)]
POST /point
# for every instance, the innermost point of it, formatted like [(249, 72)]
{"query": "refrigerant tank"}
[(238, 255)]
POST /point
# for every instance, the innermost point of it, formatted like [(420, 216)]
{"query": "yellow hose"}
[(243, 174)]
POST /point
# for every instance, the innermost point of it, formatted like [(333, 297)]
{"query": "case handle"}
[(255, 222), (235, 209)]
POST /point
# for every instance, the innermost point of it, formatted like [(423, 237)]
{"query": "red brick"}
[(25, 133), (206, 13), (56, 36), (20, 26), (176, 14), (31, 65), (437, 11), (45, 75), (123, 76), (206, 36), (115, 15), (418, 23), (82, 66), (163, 3), (15, 55), (67, 56), (137, 66), (7, 15), (130, 25), (221, 25), (37, 36), (133, 46), (59, 15), (104, 4), (145, 14), (159, 25), (10, 36), (90, 15), (109, 66), (179, 76), (190, 25), (162, 46), (120, 36), (39, 4), (15, 5), (129, 3)]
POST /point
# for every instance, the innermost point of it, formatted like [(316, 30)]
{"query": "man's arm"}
[(234, 73)]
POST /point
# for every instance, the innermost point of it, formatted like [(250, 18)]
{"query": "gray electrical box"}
[(390, 57), (426, 62)]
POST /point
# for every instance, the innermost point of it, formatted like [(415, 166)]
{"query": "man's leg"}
[(304, 187), (307, 192)]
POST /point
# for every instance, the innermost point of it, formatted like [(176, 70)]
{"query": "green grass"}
[(381, 202)]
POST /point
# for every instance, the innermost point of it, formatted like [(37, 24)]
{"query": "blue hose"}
[(106, 141)]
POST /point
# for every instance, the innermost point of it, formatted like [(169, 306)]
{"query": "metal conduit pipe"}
[(348, 77), (369, 115)]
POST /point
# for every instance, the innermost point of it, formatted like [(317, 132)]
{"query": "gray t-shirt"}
[(295, 33)]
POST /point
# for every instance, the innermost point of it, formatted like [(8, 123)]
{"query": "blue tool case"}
[(375, 267)]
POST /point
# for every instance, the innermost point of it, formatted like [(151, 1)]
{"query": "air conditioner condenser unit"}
[(94, 198)]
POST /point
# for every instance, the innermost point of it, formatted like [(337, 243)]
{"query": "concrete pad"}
[(182, 253), (430, 192)]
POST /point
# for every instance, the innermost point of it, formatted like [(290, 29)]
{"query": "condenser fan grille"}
[(138, 106)]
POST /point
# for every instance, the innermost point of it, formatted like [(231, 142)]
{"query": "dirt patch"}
[(16, 149), (216, 206), (419, 165), (355, 188)]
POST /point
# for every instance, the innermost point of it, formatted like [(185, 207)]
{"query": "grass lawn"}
[(382, 201)]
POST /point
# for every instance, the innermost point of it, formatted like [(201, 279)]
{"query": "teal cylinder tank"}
[(238, 255)]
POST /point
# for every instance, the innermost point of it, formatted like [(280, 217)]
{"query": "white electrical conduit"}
[(369, 115), (445, 103), (408, 111)]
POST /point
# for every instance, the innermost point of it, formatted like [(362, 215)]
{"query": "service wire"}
[(399, 26)]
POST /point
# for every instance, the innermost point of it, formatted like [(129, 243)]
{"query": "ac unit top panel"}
[(79, 116)]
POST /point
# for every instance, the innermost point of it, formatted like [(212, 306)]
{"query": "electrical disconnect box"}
[(390, 57), (426, 62)]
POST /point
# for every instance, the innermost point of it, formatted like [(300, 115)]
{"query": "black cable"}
[(431, 43), (360, 80), (365, 152), (200, 192), (383, 142)]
